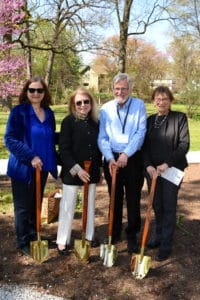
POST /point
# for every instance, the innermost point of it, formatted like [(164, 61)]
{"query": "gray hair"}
[(122, 76)]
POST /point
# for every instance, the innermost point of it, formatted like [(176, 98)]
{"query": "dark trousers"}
[(129, 183), (24, 198), (164, 205)]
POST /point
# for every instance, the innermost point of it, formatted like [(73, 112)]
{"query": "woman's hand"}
[(162, 168), (83, 175), (152, 172), (37, 162)]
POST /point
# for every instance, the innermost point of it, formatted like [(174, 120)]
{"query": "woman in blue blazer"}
[(30, 139)]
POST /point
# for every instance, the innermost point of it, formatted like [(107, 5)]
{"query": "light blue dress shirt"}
[(122, 129)]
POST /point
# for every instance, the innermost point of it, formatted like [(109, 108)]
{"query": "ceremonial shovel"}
[(108, 252), (39, 248), (82, 247), (140, 264)]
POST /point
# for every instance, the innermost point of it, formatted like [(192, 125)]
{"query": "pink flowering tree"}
[(12, 63)]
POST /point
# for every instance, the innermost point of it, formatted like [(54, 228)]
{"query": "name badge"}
[(122, 138)]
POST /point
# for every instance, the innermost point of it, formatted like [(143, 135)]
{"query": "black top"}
[(167, 142), (78, 142)]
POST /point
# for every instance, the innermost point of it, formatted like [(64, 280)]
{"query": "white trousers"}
[(66, 213)]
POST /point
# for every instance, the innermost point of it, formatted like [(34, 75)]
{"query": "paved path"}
[(20, 292), (192, 157)]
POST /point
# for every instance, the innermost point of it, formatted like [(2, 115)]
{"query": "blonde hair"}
[(81, 90)]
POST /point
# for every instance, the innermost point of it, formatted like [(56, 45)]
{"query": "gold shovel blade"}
[(82, 249), (39, 250), (140, 266), (108, 253)]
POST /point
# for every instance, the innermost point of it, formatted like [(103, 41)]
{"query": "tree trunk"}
[(123, 26), (122, 51), (28, 52), (49, 68)]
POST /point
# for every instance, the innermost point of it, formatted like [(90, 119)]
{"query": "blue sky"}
[(157, 34)]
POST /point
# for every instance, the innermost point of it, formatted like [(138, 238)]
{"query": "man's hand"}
[(122, 160)]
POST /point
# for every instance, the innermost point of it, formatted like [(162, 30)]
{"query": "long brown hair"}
[(81, 90), (23, 98)]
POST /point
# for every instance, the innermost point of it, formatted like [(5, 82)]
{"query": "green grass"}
[(61, 112), (6, 202), (194, 126)]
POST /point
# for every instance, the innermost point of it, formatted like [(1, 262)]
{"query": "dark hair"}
[(162, 90), (46, 101), (84, 91)]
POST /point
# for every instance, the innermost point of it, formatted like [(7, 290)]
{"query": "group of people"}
[(122, 135)]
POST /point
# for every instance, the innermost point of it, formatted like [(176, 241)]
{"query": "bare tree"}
[(134, 18), (80, 18), (187, 17)]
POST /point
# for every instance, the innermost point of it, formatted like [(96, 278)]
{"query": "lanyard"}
[(123, 124)]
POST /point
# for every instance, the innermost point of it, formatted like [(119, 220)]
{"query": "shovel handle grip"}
[(87, 164), (148, 213), (112, 200), (38, 200)]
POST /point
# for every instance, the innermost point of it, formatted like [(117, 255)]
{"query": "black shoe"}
[(64, 251), (153, 244), (25, 250), (132, 246), (162, 255)]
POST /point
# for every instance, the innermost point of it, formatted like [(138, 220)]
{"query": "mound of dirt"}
[(67, 277)]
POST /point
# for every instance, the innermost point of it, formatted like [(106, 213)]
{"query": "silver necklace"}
[(159, 121)]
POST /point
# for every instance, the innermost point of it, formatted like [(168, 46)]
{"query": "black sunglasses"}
[(39, 91), (79, 103)]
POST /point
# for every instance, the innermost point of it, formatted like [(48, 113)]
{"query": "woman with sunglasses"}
[(77, 143), (30, 138)]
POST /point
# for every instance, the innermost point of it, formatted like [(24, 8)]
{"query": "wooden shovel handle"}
[(38, 200), (148, 213), (112, 200), (87, 164)]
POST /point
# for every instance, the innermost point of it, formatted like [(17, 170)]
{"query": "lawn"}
[(61, 111)]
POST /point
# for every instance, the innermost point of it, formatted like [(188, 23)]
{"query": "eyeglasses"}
[(39, 91), (161, 99), (121, 89), (79, 103)]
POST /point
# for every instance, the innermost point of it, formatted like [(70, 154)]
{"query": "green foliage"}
[(61, 112), (190, 95), (6, 201), (78, 207), (102, 97), (4, 118), (66, 63)]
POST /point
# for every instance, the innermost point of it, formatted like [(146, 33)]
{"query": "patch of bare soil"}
[(67, 277)]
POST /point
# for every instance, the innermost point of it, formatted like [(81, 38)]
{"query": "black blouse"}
[(167, 143), (78, 142)]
